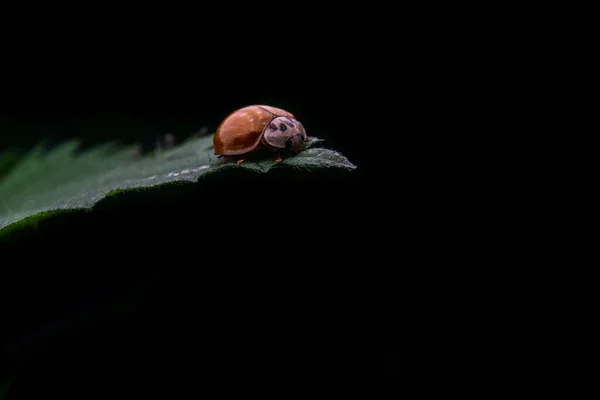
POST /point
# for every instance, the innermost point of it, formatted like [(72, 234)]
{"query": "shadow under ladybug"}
[(259, 127)]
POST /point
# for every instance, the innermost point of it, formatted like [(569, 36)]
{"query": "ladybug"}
[(258, 127)]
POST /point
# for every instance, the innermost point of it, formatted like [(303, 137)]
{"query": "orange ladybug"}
[(259, 127)]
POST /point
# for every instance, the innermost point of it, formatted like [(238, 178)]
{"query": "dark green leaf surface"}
[(43, 184)]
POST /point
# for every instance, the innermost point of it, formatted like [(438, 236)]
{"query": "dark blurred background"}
[(246, 275), (151, 282), (250, 275)]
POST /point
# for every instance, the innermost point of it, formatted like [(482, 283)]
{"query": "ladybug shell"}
[(241, 131)]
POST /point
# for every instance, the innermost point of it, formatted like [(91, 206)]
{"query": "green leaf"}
[(41, 185)]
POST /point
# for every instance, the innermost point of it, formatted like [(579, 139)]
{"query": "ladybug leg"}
[(278, 158), (241, 160)]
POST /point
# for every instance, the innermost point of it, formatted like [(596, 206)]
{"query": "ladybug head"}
[(285, 133), (295, 143)]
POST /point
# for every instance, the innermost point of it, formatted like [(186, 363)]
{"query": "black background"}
[(287, 273), (244, 275)]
